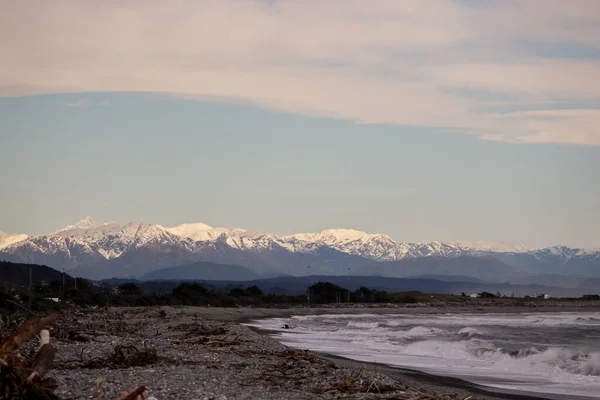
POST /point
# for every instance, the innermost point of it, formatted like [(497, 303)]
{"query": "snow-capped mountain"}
[(88, 242), (373, 246), (6, 239), (498, 247), (200, 232), (82, 225), (96, 249)]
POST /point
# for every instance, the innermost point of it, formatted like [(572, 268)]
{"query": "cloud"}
[(77, 103), (80, 103), (454, 65)]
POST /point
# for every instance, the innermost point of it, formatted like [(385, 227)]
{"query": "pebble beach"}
[(207, 353)]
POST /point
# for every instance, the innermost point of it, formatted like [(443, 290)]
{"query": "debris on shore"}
[(22, 377), (131, 354)]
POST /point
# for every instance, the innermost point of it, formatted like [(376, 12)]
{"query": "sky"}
[(441, 120)]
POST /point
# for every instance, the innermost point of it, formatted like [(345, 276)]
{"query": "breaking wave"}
[(523, 359), (555, 353), (421, 331), (363, 325), (468, 332)]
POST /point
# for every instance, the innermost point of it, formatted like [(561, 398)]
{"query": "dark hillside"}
[(18, 274)]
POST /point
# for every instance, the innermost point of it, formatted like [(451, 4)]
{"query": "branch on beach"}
[(139, 393), (355, 384), (21, 378), (425, 395), (122, 356), (99, 389), (26, 332)]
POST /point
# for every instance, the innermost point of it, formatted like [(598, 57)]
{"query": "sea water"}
[(555, 353)]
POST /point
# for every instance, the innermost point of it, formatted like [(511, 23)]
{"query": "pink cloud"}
[(379, 62)]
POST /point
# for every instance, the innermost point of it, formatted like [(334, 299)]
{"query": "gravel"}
[(204, 356)]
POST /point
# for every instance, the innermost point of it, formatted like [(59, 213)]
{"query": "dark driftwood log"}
[(42, 362), (78, 337), (17, 363), (13, 382), (26, 332)]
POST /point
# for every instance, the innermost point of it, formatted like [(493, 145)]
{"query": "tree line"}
[(81, 292)]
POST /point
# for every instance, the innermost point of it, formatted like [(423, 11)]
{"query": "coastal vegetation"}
[(52, 296)]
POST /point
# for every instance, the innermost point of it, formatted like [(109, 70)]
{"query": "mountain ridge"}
[(136, 248)]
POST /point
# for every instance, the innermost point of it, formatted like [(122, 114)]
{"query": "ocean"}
[(554, 354)]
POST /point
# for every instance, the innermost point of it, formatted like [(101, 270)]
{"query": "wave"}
[(469, 332), (549, 361), (363, 325), (589, 320), (508, 320), (555, 353), (421, 331), (394, 323)]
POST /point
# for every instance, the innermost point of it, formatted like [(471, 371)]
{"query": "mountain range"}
[(102, 250)]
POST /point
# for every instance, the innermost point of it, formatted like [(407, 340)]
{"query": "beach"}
[(207, 353)]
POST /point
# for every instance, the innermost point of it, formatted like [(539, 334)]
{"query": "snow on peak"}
[(83, 224), (343, 235), (330, 236), (375, 246), (191, 231), (200, 232), (500, 247), (7, 239)]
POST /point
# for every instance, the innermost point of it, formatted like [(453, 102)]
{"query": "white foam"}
[(363, 325), (473, 347), (469, 331), (421, 331)]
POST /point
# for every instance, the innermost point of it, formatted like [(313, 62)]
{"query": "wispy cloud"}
[(409, 62), (77, 103), (80, 103)]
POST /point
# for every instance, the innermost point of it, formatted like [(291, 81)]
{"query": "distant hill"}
[(447, 278), (590, 285), (18, 274), (484, 268), (202, 271), (297, 285)]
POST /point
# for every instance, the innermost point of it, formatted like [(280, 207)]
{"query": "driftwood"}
[(23, 379), (140, 393), (19, 378), (26, 332), (99, 389), (123, 356), (42, 362), (130, 356), (44, 337), (78, 337)]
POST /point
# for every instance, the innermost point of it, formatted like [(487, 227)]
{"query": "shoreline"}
[(437, 381), (433, 382), (210, 353), (247, 314), (449, 382), (488, 392)]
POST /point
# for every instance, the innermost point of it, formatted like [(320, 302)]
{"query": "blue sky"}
[(165, 160), (442, 120)]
